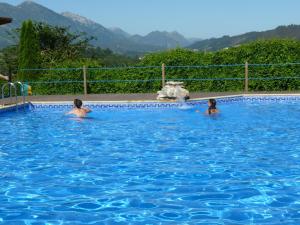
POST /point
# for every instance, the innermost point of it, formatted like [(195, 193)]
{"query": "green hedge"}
[(149, 70)]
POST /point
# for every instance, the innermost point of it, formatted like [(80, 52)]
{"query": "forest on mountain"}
[(215, 44)]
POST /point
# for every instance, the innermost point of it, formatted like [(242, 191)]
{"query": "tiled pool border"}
[(13, 108), (131, 105), (151, 104)]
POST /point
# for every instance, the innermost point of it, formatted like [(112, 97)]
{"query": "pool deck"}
[(119, 97), (135, 97)]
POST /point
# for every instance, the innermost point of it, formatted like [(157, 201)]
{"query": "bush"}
[(180, 66)]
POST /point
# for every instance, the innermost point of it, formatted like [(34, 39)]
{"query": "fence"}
[(145, 79)]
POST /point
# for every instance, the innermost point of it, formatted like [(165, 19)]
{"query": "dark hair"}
[(78, 103), (212, 106)]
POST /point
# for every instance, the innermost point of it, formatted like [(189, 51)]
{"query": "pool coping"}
[(153, 101), (141, 103), (138, 101), (11, 108), (169, 102)]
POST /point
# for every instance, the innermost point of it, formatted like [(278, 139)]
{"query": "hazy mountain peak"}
[(158, 32), (29, 3), (31, 7), (78, 18), (115, 28), (119, 31), (176, 33)]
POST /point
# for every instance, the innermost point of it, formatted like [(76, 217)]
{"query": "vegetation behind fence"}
[(148, 79), (274, 65)]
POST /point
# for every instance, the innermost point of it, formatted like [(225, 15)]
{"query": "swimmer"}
[(212, 109), (78, 110)]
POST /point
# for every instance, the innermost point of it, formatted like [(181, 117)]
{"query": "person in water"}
[(78, 110), (212, 107)]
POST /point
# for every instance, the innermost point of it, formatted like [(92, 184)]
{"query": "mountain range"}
[(214, 44), (119, 40), (114, 38)]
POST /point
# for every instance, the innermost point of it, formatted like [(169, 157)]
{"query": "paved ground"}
[(116, 97), (129, 97)]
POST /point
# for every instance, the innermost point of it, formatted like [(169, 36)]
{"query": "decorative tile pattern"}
[(116, 106), (141, 105), (277, 98), (153, 105)]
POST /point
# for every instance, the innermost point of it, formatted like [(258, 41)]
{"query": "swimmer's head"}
[(77, 103), (212, 103)]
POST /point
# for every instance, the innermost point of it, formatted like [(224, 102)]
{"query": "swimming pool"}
[(153, 165)]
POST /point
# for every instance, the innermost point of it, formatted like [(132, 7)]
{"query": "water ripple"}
[(152, 167)]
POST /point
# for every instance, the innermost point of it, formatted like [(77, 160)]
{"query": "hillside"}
[(162, 39), (214, 44)]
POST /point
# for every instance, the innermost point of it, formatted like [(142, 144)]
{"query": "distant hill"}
[(214, 44), (116, 39), (162, 39)]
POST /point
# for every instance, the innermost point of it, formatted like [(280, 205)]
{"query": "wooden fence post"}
[(163, 74), (246, 77), (84, 80)]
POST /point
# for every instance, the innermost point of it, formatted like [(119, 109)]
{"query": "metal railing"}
[(11, 87)]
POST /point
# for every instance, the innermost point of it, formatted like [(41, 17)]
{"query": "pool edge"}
[(147, 103)]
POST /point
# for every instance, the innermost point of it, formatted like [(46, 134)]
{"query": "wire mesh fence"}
[(150, 79)]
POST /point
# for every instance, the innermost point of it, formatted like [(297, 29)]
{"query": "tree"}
[(29, 51), (59, 44), (9, 60)]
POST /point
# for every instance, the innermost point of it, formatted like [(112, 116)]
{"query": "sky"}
[(192, 18)]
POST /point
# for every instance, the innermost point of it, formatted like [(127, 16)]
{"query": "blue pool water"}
[(162, 166)]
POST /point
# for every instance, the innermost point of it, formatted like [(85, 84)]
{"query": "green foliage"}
[(9, 60), (274, 51), (29, 50), (180, 65), (107, 57), (59, 44), (124, 80), (66, 81), (61, 49), (57, 47), (267, 52)]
